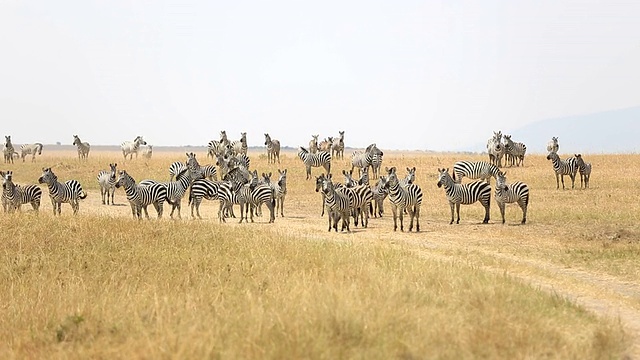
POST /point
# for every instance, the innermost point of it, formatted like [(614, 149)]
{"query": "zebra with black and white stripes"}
[(474, 170), (208, 171), (13, 195), (68, 192), (403, 197), (239, 147), (380, 192), (584, 169), (132, 147), (517, 192), (8, 150), (30, 149), (280, 189), (361, 198), (372, 156), (320, 159), (203, 189), (338, 204), (142, 196), (465, 194), (178, 188), (552, 145), (562, 168), (83, 148), (337, 150), (273, 149), (107, 181), (495, 148), (515, 151), (252, 195)]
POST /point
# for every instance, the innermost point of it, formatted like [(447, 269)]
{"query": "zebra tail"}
[(83, 194)]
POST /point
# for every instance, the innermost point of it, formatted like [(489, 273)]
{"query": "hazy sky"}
[(403, 74)]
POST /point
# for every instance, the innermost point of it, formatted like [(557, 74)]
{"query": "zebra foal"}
[(584, 169)]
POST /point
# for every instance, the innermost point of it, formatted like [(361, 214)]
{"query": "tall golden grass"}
[(102, 285)]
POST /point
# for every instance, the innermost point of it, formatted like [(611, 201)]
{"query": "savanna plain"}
[(103, 285)]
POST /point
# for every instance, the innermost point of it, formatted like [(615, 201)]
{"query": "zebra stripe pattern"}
[(321, 159), (517, 192), (8, 150), (474, 170), (361, 198), (372, 156), (515, 151), (107, 181), (403, 197), (585, 171), (562, 168), (338, 204), (495, 149), (208, 171), (68, 192), (203, 189), (83, 148), (13, 195), (254, 194), (142, 196), (30, 149), (380, 192), (239, 147), (273, 149), (465, 194), (132, 147)]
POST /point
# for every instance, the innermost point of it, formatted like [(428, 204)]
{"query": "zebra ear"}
[(269, 174), (414, 168), (344, 172)]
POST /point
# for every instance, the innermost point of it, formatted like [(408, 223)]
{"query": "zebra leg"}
[(401, 216), (134, 211), (365, 211), (394, 210), (501, 206), (417, 215), (523, 205), (487, 207), (573, 180), (558, 182), (272, 211), (458, 213), (452, 205)]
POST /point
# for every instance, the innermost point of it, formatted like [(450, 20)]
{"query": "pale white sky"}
[(404, 74)]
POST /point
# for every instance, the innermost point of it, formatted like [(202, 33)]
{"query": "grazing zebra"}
[(321, 159), (326, 144), (147, 152), (474, 170), (465, 194), (337, 150), (552, 145), (13, 196), (8, 150), (372, 156), (380, 192), (511, 193), (403, 197), (495, 149), (68, 192), (313, 144), (584, 169), (515, 151), (83, 148), (562, 168), (338, 204), (273, 149), (142, 196), (107, 181), (132, 147), (30, 149), (361, 198)]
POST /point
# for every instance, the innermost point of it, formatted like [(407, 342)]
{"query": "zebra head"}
[(553, 156), (392, 178), (411, 175), (7, 142), (193, 166), (497, 136), (113, 171), (579, 161), (373, 150), (327, 185), (364, 177), (267, 139), (124, 179), (47, 176), (223, 137), (348, 179), (266, 178), (501, 183), (139, 140), (76, 140), (444, 178), (282, 178), (243, 138), (319, 182), (6, 178), (341, 136)]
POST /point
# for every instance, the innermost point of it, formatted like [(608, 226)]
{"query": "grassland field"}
[(103, 285)]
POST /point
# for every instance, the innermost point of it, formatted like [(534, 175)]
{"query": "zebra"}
[(253, 194), (380, 192), (515, 151), (364, 176), (337, 150), (337, 202), (584, 169), (239, 147), (203, 189), (372, 156), (8, 150), (313, 144), (83, 148), (13, 196), (496, 149), (30, 149), (280, 188), (214, 148), (107, 181), (474, 170), (553, 145), (68, 192), (208, 171), (147, 152), (326, 144), (177, 189), (142, 196), (361, 197), (273, 149), (321, 159), (465, 194), (403, 197), (511, 193), (562, 168), (132, 147)]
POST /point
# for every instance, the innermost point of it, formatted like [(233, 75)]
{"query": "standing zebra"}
[(474, 170), (107, 181), (337, 150), (13, 196), (511, 193), (132, 147), (208, 171), (273, 149), (372, 156), (465, 194), (313, 144), (8, 150), (515, 151), (280, 189), (30, 149), (403, 197), (552, 145), (584, 169), (177, 189), (68, 192), (215, 148), (239, 147), (203, 189), (562, 168), (83, 148), (380, 192), (361, 196), (338, 204), (142, 196), (321, 159), (252, 195), (495, 149)]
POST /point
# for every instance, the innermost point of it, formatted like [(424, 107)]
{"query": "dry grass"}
[(101, 285)]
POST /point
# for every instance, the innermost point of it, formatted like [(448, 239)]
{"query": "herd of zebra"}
[(355, 198)]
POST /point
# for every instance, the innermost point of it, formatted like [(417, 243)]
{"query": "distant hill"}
[(615, 131)]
